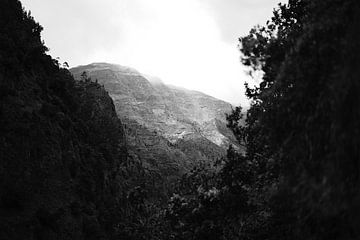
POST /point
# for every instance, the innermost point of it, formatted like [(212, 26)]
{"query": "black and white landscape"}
[(104, 150)]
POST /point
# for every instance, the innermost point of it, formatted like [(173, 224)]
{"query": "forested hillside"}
[(64, 171), (169, 130)]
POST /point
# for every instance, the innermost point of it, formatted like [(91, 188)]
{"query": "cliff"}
[(168, 129)]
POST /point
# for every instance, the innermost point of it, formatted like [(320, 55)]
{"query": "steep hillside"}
[(173, 111), (63, 159), (161, 119)]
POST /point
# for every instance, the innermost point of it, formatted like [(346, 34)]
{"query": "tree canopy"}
[(299, 178)]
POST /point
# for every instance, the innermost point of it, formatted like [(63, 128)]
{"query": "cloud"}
[(236, 17), (74, 30), (189, 43)]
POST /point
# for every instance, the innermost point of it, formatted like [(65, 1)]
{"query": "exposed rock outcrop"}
[(169, 129)]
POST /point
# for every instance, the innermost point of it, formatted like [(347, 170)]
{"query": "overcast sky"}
[(188, 43)]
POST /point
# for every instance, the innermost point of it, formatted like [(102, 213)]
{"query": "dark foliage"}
[(299, 178), (304, 117), (64, 172)]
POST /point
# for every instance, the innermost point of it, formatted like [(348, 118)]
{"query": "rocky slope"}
[(167, 127)]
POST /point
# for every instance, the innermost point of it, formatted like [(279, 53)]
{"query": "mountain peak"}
[(173, 112), (153, 79), (98, 66)]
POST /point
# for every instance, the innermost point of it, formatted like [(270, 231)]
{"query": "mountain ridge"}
[(193, 105), (169, 129)]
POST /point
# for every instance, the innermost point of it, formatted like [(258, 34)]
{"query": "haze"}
[(188, 43)]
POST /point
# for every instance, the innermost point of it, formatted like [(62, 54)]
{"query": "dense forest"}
[(65, 174)]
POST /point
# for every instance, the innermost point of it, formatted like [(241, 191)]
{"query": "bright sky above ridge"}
[(188, 43)]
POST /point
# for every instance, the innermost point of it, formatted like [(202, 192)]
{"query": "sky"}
[(187, 43)]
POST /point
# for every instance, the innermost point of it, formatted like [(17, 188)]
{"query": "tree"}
[(301, 130)]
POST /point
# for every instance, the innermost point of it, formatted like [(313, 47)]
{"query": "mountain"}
[(78, 163), (168, 128)]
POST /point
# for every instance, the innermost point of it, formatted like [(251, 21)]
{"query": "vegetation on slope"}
[(169, 130), (64, 172)]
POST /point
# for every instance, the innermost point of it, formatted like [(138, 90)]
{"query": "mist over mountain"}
[(169, 129)]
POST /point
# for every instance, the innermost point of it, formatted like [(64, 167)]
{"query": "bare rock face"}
[(167, 127)]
